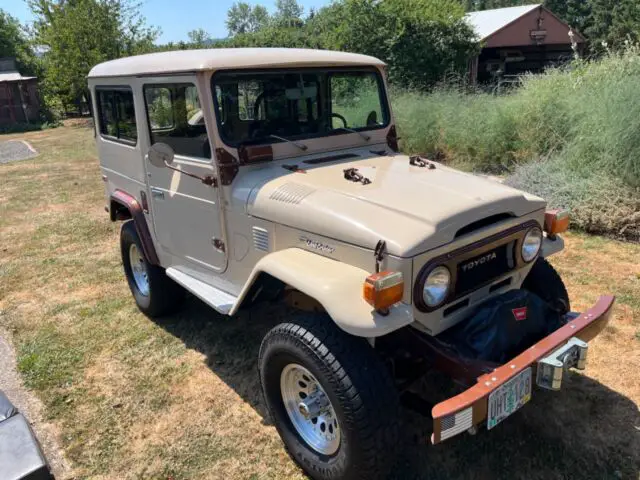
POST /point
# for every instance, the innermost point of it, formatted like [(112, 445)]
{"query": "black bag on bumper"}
[(504, 327)]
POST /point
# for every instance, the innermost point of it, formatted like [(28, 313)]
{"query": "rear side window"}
[(176, 118), (117, 114)]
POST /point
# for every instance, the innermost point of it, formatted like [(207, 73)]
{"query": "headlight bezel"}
[(531, 231), (438, 269)]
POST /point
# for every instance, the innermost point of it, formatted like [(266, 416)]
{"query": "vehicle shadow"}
[(585, 431)]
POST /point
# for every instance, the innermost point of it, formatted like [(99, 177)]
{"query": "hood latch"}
[(421, 162), (355, 176)]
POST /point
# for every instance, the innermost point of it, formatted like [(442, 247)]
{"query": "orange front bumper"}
[(585, 327)]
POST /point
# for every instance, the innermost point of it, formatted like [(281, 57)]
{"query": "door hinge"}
[(218, 244)]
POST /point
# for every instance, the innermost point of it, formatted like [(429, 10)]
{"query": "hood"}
[(413, 209)]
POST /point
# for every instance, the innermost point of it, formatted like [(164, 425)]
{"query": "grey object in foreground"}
[(21, 457)]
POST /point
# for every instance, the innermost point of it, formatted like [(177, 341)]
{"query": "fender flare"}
[(335, 285), (133, 206)]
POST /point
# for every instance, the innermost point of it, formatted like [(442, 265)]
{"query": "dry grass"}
[(179, 397)]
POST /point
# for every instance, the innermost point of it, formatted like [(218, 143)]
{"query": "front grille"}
[(475, 265), (481, 269)]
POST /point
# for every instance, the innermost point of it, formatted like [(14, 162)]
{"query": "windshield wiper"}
[(363, 135), (301, 146)]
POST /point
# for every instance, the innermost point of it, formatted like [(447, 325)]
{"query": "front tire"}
[(313, 375), (544, 281), (154, 292)]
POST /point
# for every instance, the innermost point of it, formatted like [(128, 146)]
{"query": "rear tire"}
[(155, 293), (544, 281), (349, 377)]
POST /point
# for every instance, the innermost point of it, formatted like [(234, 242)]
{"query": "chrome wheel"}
[(139, 270), (309, 409)]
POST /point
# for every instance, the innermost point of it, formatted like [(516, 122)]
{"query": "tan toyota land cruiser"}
[(247, 175)]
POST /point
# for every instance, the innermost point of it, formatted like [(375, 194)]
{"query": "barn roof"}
[(487, 22), (12, 77)]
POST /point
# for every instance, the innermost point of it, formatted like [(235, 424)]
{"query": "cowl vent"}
[(292, 193)]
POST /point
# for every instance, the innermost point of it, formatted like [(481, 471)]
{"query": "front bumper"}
[(470, 407)]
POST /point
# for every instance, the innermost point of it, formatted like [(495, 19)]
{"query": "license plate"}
[(508, 398)]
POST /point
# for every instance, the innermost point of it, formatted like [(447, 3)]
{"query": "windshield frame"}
[(382, 92)]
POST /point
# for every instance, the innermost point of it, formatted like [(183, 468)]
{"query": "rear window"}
[(117, 115)]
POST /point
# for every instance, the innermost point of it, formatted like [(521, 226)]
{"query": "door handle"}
[(159, 194)]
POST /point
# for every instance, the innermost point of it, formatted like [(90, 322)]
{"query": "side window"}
[(116, 113), (176, 118)]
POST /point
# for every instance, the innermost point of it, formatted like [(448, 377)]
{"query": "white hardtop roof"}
[(487, 22), (218, 58)]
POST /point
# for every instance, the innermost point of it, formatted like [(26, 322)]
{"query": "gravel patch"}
[(14, 150), (31, 407)]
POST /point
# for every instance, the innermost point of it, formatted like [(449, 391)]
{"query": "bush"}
[(28, 127), (570, 135), (473, 131), (590, 113), (599, 204)]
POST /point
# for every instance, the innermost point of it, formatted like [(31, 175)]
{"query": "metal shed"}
[(517, 40), (19, 100)]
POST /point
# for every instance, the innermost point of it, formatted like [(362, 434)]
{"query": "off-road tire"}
[(165, 296), (544, 281), (358, 385)]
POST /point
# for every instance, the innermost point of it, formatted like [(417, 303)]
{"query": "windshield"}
[(251, 107)]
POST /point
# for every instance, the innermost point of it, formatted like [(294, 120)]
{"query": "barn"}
[(517, 40), (19, 100)]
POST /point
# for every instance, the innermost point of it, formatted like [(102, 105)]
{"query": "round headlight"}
[(531, 244), (436, 286)]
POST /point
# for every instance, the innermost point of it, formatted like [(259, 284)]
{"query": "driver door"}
[(186, 212)]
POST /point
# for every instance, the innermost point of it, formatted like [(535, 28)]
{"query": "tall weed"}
[(570, 135), (590, 112)]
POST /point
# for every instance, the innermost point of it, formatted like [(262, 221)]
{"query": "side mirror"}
[(161, 155)]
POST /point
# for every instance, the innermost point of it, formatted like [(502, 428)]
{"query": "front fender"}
[(335, 285)]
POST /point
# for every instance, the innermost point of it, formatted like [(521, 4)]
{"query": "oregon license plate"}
[(508, 398)]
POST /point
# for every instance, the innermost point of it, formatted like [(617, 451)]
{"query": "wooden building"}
[(19, 99), (517, 40)]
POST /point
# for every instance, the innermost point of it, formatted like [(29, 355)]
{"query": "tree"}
[(289, 13), (421, 40), (613, 22), (79, 34), (199, 38), (15, 43), (243, 18)]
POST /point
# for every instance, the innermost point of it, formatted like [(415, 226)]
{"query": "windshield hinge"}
[(293, 168)]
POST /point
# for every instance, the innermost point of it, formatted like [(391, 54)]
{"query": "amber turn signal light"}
[(384, 289), (556, 221)]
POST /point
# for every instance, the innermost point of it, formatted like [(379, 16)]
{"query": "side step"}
[(219, 300)]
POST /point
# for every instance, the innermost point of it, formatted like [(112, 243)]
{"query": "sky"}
[(175, 17)]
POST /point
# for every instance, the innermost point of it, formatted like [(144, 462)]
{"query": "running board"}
[(219, 300)]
